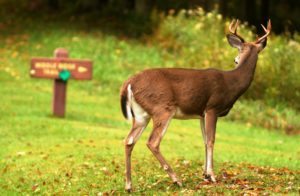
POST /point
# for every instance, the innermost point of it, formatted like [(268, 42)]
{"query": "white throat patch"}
[(237, 60)]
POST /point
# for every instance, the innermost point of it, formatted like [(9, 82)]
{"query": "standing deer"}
[(165, 93)]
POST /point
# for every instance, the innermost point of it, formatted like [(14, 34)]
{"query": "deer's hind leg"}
[(160, 125), (136, 131)]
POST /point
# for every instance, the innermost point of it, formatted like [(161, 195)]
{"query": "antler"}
[(235, 24), (267, 31), (233, 28)]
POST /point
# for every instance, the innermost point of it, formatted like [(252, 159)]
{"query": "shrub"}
[(259, 113)]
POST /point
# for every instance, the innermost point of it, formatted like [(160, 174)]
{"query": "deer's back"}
[(192, 91)]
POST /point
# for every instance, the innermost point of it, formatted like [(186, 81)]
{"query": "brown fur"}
[(193, 91)]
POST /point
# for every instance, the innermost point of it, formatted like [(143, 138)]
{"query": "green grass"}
[(83, 153)]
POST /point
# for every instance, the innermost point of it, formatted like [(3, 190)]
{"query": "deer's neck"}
[(244, 73)]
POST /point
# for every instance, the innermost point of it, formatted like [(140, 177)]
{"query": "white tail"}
[(129, 103)]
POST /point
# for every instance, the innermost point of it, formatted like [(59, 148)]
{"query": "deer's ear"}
[(234, 41), (261, 44)]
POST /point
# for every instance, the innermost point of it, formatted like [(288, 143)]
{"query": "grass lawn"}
[(83, 154)]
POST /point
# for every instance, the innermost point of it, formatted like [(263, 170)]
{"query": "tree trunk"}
[(53, 4), (251, 11), (264, 9), (208, 5), (223, 7), (143, 7)]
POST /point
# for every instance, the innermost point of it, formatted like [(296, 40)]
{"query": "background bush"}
[(190, 39)]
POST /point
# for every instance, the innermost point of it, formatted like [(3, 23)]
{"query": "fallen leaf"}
[(35, 187), (105, 171), (93, 185), (277, 189), (227, 175)]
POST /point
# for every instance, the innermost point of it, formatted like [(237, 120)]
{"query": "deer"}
[(162, 94)]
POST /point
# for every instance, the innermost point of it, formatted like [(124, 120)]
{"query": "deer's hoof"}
[(128, 188), (178, 183), (210, 178)]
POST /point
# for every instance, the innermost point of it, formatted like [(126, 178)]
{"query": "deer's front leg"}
[(202, 125), (210, 130)]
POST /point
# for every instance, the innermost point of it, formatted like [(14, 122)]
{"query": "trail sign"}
[(61, 69), (52, 68)]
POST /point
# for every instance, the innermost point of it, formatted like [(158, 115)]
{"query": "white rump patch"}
[(140, 114)]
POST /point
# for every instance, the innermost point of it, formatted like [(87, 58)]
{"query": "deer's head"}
[(246, 48)]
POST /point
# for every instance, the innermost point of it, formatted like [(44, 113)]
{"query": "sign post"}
[(61, 69)]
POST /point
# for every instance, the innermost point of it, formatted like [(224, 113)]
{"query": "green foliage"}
[(189, 39), (197, 39), (277, 77), (257, 113)]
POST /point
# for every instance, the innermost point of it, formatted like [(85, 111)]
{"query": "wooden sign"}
[(51, 68), (61, 69)]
